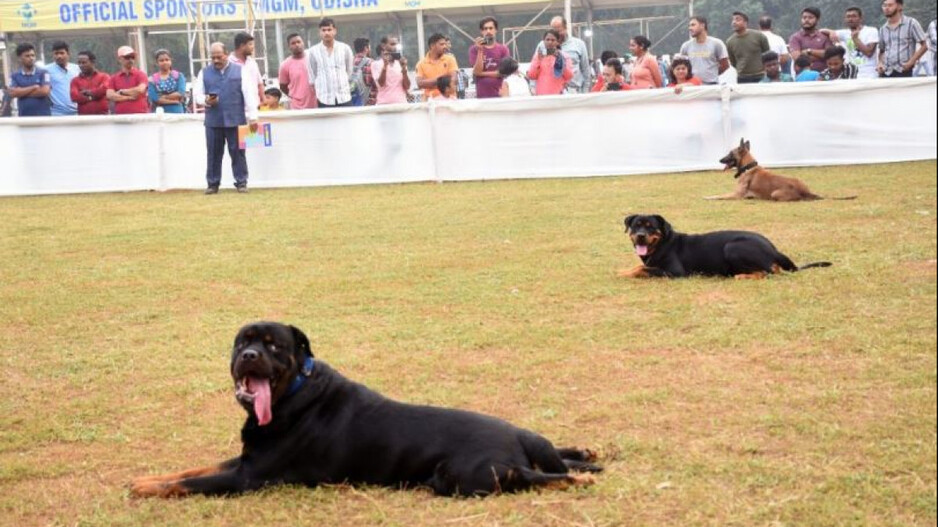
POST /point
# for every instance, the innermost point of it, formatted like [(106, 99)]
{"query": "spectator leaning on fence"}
[(776, 42), (837, 67), (330, 66), (745, 49), (271, 102), (773, 68), (485, 56), (897, 40), (860, 42), (293, 76), (803, 71), (89, 88), (30, 85), (243, 55), (645, 72), (513, 83), (167, 87), (577, 54), (708, 55), (435, 64), (61, 73), (611, 78), (127, 88), (809, 41), (230, 100), (682, 74)]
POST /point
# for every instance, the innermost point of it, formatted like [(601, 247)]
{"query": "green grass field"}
[(802, 400)]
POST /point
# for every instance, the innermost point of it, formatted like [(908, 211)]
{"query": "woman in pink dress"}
[(645, 72), (550, 72)]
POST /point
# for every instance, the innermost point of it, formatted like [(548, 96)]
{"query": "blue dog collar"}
[(307, 370)]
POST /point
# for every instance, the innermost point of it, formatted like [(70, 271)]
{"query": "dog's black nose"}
[(249, 355)]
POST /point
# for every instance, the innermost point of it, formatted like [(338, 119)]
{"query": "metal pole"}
[(278, 34), (690, 8), (457, 28), (526, 26), (421, 44), (568, 11), (141, 50)]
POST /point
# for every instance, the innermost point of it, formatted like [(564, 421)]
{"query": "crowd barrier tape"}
[(633, 132)]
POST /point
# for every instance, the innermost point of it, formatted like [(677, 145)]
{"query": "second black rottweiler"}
[(667, 253)]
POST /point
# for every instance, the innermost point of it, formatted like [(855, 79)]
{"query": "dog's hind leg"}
[(577, 454)]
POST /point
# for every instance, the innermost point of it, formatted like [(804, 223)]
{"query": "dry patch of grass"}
[(806, 399)]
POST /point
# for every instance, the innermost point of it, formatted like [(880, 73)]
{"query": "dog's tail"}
[(814, 264)]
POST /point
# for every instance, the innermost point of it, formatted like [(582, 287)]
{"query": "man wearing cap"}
[(809, 41), (230, 99), (127, 88)]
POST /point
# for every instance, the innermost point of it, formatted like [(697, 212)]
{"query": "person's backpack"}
[(356, 82)]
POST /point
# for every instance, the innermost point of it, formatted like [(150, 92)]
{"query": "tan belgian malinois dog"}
[(756, 182)]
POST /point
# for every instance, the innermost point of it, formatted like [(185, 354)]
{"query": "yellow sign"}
[(62, 15)]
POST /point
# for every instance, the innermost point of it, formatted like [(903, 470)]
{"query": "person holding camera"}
[(229, 95), (485, 57), (612, 78), (551, 70), (391, 73)]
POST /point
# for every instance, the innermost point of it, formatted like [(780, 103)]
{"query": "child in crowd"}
[(272, 98), (513, 83), (803, 71), (446, 86)]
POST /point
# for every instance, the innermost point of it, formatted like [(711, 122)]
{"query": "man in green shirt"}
[(745, 49)]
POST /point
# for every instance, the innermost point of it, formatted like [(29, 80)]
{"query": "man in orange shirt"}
[(436, 64)]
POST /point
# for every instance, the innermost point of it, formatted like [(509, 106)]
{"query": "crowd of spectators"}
[(331, 73)]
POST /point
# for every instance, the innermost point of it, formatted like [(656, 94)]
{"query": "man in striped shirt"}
[(897, 40), (330, 67)]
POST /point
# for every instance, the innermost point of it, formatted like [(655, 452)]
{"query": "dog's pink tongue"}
[(641, 250), (261, 390)]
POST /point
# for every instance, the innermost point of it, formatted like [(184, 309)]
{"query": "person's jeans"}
[(215, 139), (340, 105)]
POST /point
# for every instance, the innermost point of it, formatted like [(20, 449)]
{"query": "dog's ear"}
[(628, 221), (742, 143), (663, 225), (746, 145), (301, 340)]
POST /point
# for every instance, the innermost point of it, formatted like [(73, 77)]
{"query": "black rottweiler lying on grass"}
[(307, 424), (666, 253)]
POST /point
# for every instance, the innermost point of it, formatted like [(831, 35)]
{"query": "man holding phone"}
[(230, 100), (485, 57)]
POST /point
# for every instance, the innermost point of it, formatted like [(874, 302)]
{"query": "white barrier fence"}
[(633, 132)]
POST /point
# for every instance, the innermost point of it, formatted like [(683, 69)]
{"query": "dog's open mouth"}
[(256, 391), (641, 250)]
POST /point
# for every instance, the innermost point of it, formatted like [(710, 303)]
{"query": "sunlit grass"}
[(805, 399)]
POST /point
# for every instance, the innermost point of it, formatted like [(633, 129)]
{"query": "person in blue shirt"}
[(30, 85), (61, 73), (803, 71), (167, 87)]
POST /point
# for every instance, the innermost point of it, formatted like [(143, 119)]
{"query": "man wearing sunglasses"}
[(127, 88)]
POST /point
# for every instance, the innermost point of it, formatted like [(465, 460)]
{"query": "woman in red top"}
[(611, 79), (645, 72), (683, 74)]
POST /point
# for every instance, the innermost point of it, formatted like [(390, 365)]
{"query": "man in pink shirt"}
[(294, 77)]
